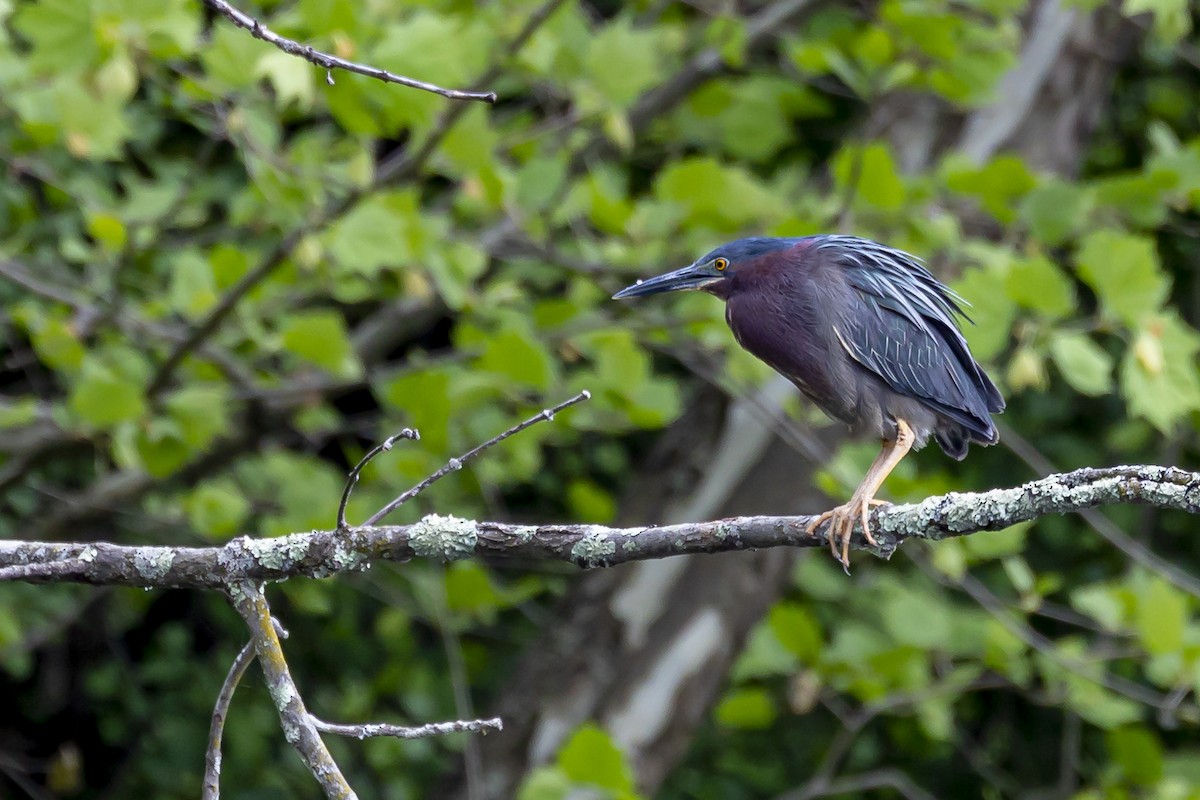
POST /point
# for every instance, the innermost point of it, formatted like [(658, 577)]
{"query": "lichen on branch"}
[(322, 553)]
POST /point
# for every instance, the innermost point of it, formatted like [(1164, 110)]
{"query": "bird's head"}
[(712, 272)]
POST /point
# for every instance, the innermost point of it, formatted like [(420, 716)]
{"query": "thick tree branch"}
[(319, 554), (329, 62)]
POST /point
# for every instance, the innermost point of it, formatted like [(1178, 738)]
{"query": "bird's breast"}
[(787, 337)]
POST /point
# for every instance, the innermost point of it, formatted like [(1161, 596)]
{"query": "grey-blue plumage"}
[(865, 331), (862, 329)]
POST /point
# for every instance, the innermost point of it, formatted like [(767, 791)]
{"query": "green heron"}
[(863, 330)]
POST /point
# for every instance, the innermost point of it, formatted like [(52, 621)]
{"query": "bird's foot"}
[(841, 526)]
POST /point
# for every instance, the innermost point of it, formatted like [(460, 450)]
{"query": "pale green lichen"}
[(725, 530), (153, 564), (593, 550), (446, 538)]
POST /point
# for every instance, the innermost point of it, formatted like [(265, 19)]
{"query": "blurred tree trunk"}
[(644, 649)]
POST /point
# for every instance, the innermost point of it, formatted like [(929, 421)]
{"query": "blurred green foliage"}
[(155, 158)]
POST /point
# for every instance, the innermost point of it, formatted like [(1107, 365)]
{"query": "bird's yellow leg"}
[(843, 517), (840, 511)]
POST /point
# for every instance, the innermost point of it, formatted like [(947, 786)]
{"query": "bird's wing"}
[(904, 328)]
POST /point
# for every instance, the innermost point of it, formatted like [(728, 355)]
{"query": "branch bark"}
[(320, 554)]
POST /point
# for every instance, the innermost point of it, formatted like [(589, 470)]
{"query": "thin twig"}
[(403, 732), (408, 433), (297, 723), (886, 778), (455, 464), (329, 62), (212, 757)]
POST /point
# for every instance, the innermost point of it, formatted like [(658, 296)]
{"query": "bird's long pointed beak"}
[(689, 277)]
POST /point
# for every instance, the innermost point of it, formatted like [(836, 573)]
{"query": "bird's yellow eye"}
[(721, 264)]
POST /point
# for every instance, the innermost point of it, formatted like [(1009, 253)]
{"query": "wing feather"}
[(905, 329)]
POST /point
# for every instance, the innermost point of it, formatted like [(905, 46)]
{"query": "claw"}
[(841, 526)]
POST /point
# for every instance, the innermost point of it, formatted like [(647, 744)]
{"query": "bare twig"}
[(455, 464), (329, 62), (297, 723), (408, 433), (886, 778), (854, 722), (212, 757), (404, 732), (21, 276)]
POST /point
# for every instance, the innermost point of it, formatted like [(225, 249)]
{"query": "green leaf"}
[(61, 32), (291, 77), (545, 783), (1037, 283), (201, 412), (469, 589), (320, 338), (517, 355), (750, 708), (1086, 365), (539, 181), (991, 308), (1158, 374), (57, 345), (1055, 210), (1123, 270), (1162, 617), (18, 413), (872, 173), (763, 655), (108, 230), (1102, 603), (102, 398), (423, 396), (193, 288), (160, 448), (371, 236), (590, 502), (1172, 18), (1138, 753), (999, 184), (217, 509), (713, 194), (622, 62), (797, 630), (590, 756), (915, 617)]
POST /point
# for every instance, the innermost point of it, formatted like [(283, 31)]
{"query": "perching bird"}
[(863, 330)]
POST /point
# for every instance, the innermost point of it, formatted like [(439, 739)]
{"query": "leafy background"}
[(400, 260)]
